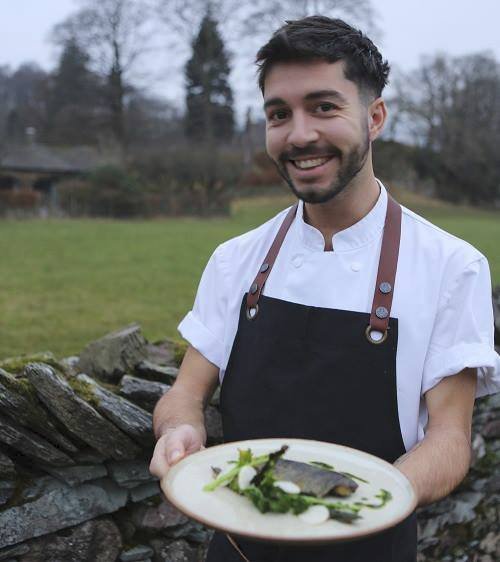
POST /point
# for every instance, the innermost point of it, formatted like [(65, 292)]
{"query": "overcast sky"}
[(410, 29)]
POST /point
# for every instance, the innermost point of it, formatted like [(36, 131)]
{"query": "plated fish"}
[(314, 480)]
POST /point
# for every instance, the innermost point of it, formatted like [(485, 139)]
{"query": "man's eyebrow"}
[(272, 102), (311, 96), (326, 94)]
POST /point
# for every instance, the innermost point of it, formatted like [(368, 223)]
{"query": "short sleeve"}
[(463, 333), (203, 326)]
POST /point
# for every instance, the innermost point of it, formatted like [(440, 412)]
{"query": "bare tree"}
[(452, 107), (116, 34)]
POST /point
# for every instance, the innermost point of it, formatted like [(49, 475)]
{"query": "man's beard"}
[(350, 165)]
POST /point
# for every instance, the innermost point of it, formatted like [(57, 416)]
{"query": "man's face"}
[(317, 127)]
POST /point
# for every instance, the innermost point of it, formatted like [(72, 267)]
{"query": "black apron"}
[(299, 371)]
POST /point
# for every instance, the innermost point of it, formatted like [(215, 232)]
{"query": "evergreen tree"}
[(209, 99), (74, 98)]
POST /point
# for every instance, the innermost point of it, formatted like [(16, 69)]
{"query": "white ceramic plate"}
[(229, 512)]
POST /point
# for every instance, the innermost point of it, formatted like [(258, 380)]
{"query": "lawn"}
[(64, 283)]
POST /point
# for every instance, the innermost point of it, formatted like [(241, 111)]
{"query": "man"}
[(345, 318)]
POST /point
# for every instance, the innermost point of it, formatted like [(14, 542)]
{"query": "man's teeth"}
[(305, 164)]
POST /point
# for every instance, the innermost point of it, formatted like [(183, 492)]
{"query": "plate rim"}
[(319, 539)]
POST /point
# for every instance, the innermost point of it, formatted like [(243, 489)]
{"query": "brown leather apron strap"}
[(267, 265), (384, 287)]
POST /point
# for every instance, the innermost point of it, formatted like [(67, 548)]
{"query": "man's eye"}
[(324, 107), (278, 115)]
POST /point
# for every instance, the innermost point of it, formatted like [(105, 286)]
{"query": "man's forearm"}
[(176, 408), (437, 464)]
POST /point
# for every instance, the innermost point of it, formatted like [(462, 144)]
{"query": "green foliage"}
[(197, 180), (109, 191), (209, 99)]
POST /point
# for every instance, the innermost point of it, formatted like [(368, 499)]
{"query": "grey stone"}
[(215, 400), (7, 478), (494, 401), (148, 370), (463, 510), (478, 448), (71, 364), (60, 508), (74, 475), (493, 484), (113, 355), (144, 491), (176, 551), (37, 487), (30, 444), (192, 531), (16, 550), (22, 407), (491, 543), (89, 456), (130, 418), (156, 518), (98, 540), (17, 364), (213, 424), (130, 474), (492, 429), (144, 393), (137, 553), (162, 353), (79, 417)]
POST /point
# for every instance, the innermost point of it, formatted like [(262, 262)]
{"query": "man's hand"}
[(173, 446), (178, 421)]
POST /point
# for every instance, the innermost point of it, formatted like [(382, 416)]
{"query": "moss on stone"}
[(17, 364), (180, 348), (84, 390), (21, 386), (22, 482)]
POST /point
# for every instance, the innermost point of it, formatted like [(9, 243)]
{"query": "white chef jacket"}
[(442, 297)]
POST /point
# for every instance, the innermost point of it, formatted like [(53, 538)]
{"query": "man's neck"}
[(344, 210)]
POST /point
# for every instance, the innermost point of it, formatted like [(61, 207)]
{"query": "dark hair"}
[(319, 37)]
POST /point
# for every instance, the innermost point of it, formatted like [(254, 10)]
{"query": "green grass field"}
[(64, 283)]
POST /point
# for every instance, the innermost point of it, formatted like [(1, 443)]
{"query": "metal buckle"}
[(368, 333), (255, 308)]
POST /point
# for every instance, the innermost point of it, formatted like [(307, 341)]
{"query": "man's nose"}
[(302, 131)]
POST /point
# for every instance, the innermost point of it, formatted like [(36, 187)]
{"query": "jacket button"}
[(355, 266), (297, 260)]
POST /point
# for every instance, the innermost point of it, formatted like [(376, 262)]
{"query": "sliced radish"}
[(245, 475), (288, 487), (315, 515)]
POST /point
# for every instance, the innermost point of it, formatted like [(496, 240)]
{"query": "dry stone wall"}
[(76, 440)]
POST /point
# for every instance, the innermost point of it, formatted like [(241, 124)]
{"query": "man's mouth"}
[(310, 163)]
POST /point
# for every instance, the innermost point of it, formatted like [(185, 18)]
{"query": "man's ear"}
[(377, 116)]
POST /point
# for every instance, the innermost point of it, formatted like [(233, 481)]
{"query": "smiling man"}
[(345, 318)]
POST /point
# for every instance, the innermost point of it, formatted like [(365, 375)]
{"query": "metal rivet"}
[(254, 288), (381, 312), (385, 287), (264, 268)]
